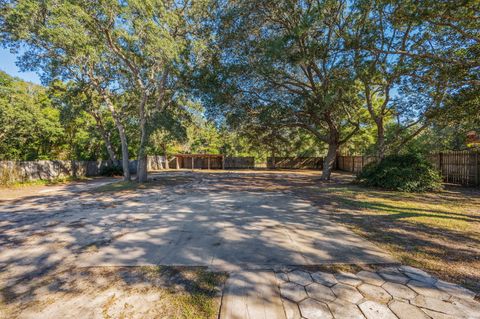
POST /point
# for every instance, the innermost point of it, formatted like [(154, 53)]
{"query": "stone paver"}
[(300, 277), (438, 315), (375, 310), (399, 291), (393, 275), (324, 278), (412, 270), (320, 292), (421, 278), (437, 305), (404, 310), (417, 274), (468, 306), (347, 293), (455, 290), (363, 298), (348, 278), (293, 291), (342, 309), (428, 290), (313, 309), (281, 277), (375, 293), (370, 278)]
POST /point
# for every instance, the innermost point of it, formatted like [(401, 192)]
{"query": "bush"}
[(406, 173), (9, 176), (113, 170)]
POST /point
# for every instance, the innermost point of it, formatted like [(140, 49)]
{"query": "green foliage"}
[(406, 173), (30, 126), (276, 77)]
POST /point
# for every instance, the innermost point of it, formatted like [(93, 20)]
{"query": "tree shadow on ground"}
[(449, 252), (226, 221)]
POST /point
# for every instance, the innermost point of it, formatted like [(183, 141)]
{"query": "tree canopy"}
[(264, 78)]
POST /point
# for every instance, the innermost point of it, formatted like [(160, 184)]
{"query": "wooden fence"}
[(22, 171), (457, 167), (353, 164), (460, 167), (295, 162), (199, 162), (239, 162)]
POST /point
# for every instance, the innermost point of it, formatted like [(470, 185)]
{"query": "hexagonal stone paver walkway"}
[(390, 292)]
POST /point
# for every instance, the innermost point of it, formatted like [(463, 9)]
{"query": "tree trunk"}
[(380, 138), (274, 160), (142, 174), (105, 135), (123, 139), (329, 160), (167, 165), (108, 146)]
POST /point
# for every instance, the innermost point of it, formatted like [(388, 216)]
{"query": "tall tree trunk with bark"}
[(333, 140), (118, 123), (329, 160), (380, 138), (142, 174), (105, 135), (123, 138), (167, 165)]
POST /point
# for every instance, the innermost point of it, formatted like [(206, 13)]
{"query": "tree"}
[(289, 57), (30, 126), (422, 52), (61, 43), (150, 42), (82, 110)]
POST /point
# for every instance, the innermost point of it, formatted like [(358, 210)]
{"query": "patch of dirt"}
[(117, 292)]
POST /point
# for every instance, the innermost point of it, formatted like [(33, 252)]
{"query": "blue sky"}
[(7, 64)]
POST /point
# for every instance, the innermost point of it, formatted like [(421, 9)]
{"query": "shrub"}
[(112, 170), (406, 173), (9, 176)]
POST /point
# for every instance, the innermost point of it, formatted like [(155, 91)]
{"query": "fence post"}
[(440, 165), (477, 170)]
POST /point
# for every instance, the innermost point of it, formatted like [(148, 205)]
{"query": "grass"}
[(438, 231), (43, 182), (132, 185), (199, 294), (119, 187)]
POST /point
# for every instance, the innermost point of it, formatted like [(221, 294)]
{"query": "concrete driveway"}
[(223, 221), (254, 225), (224, 230)]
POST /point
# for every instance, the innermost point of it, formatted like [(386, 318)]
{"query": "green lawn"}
[(439, 232)]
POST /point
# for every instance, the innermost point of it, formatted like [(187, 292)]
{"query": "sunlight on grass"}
[(44, 182), (436, 231), (199, 296), (460, 216)]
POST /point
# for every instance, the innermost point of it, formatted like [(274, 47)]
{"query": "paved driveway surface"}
[(206, 221), (249, 224), (211, 227)]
